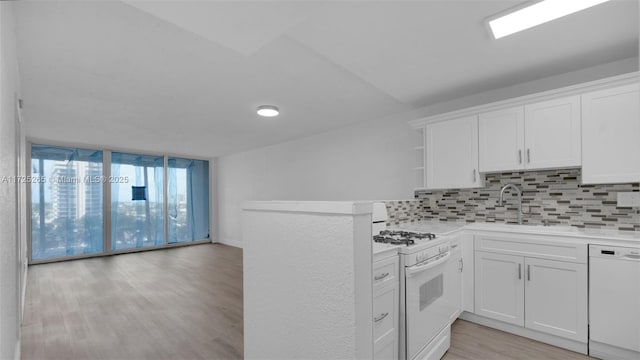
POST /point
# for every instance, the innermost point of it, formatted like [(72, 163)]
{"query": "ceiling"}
[(185, 77)]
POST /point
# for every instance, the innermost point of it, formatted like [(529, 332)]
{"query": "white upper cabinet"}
[(451, 151), (542, 135), (610, 135), (552, 134), (595, 125), (501, 140)]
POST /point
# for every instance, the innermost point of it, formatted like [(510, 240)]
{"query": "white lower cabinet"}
[(556, 298), (385, 309), (499, 287), (467, 261), (548, 296), (453, 277)]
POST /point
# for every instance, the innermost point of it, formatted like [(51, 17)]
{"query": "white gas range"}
[(429, 290)]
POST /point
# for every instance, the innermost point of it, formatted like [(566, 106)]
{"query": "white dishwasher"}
[(614, 302)]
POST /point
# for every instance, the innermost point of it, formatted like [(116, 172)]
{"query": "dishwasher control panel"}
[(603, 251)]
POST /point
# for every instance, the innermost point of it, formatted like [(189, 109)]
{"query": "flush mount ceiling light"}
[(268, 110), (538, 13)]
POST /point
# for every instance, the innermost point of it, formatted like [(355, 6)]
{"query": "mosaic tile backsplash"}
[(552, 195)]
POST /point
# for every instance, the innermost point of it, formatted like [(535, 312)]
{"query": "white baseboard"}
[(528, 333), (23, 299), (230, 242), (17, 353), (608, 352)]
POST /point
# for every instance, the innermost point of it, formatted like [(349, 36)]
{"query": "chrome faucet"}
[(519, 192)]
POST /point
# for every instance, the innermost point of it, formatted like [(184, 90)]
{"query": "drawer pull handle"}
[(380, 277), (380, 317)]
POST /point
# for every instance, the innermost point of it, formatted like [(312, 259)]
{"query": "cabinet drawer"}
[(385, 272), (386, 348), (541, 247), (384, 314)]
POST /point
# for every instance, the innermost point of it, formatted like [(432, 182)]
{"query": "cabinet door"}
[(610, 133), (556, 298), (451, 151), (453, 279), (499, 289), (467, 273), (552, 133), (501, 140)]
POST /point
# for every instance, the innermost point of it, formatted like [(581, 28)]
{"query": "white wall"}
[(10, 263), (531, 87), (366, 161)]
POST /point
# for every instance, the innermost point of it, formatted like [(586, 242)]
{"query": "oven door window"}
[(430, 291)]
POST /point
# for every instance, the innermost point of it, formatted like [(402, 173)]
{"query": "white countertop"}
[(600, 236), (630, 237)]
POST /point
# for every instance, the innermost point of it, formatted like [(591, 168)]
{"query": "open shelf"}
[(419, 156)]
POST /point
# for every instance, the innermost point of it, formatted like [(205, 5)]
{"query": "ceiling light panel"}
[(536, 14)]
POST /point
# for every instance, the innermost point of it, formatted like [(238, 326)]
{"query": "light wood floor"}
[(181, 303), (471, 341)]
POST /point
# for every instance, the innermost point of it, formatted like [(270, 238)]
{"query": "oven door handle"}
[(412, 270)]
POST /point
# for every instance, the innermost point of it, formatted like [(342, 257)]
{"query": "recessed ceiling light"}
[(268, 110), (536, 14)]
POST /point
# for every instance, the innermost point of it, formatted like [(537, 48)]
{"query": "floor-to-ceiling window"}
[(66, 202), (151, 201), (188, 200), (137, 202)]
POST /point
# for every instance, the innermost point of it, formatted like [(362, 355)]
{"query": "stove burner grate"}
[(393, 241), (399, 237)]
